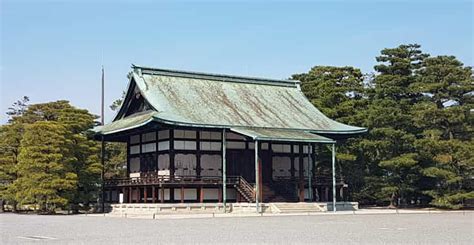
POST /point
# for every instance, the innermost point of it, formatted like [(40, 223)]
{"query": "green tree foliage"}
[(10, 139), (115, 160), (83, 158), (18, 108), (444, 117), (118, 102), (45, 167), (338, 92), (391, 133), (115, 152), (418, 110)]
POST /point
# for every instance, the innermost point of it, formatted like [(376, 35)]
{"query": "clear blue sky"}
[(52, 50)]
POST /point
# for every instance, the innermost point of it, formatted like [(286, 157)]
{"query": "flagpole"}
[(102, 149), (102, 98)]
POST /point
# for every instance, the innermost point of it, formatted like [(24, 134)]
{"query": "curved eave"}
[(152, 116), (356, 130), (125, 124)]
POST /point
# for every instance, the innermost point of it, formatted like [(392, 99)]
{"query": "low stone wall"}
[(172, 208), (344, 206), (209, 208)]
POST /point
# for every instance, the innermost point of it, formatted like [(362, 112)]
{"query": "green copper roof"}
[(223, 101), (131, 122), (281, 135)]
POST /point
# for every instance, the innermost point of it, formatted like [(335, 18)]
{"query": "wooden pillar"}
[(310, 172), (139, 195), (316, 196), (128, 157), (224, 169), (130, 197), (172, 167), (260, 180), (201, 194), (292, 166), (171, 190), (257, 177), (153, 194), (301, 174), (162, 195), (198, 154), (326, 194), (171, 157), (123, 194), (219, 195), (334, 177), (341, 193), (182, 194), (145, 197)]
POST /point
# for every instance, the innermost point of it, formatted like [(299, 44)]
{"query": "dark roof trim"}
[(215, 77)]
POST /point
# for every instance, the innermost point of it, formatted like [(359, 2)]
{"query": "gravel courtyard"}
[(445, 228)]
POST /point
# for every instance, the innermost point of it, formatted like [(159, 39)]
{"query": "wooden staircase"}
[(245, 189)]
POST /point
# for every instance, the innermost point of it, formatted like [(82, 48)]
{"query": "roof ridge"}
[(214, 76)]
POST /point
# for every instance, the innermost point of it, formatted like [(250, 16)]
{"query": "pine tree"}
[(86, 164), (10, 137), (82, 148), (389, 146), (339, 93), (116, 152), (445, 146), (45, 171)]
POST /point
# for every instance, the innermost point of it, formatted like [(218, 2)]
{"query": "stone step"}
[(297, 207)]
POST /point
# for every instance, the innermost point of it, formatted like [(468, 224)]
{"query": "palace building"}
[(198, 137)]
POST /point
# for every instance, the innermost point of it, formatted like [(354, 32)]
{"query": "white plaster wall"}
[(189, 194), (163, 162), (185, 165), (167, 194), (211, 194), (211, 165), (281, 167)]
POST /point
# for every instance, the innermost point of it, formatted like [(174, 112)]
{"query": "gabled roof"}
[(223, 101)]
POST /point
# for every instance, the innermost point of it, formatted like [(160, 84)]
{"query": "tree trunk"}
[(392, 201), (14, 207)]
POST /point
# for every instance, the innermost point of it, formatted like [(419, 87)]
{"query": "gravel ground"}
[(445, 228)]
